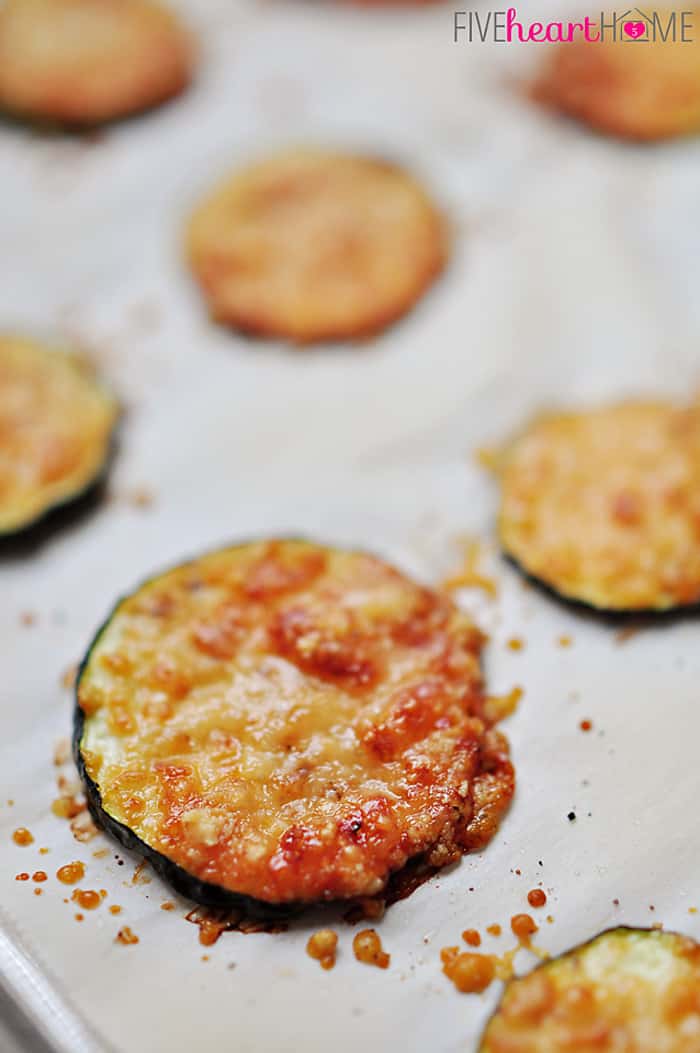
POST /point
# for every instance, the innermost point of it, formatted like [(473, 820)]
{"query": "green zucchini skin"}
[(399, 885), (577, 949), (614, 616), (38, 525), (68, 509), (202, 892)]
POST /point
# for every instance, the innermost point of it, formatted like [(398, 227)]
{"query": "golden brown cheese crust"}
[(55, 429), (89, 61), (604, 505), (639, 91), (310, 246), (293, 723), (627, 991)]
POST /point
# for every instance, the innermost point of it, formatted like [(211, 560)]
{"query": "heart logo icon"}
[(635, 29)]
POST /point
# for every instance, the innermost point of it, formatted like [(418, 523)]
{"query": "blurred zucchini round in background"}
[(603, 505), (83, 62), (639, 89), (395, 3), (281, 723), (628, 990), (56, 427), (311, 246)]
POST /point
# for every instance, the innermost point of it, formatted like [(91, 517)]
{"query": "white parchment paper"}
[(574, 276)]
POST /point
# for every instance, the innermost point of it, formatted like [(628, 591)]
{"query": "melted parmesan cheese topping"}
[(604, 506), (89, 60), (628, 991), (293, 722), (314, 246), (55, 429), (649, 91)]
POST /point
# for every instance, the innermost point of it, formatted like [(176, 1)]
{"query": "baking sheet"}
[(574, 275)]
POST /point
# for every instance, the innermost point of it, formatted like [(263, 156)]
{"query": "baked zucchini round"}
[(282, 723), (311, 246), (634, 88), (628, 990), (83, 62), (56, 427), (603, 506)]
